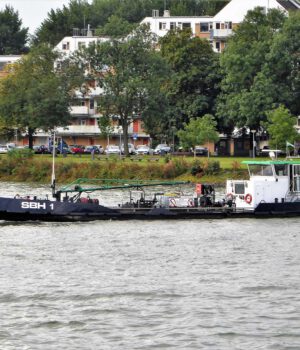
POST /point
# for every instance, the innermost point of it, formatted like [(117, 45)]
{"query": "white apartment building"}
[(84, 128), (216, 29)]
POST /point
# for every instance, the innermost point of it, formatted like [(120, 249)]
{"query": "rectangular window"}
[(172, 25), (239, 188), (66, 46), (162, 26), (218, 25), (218, 46), (186, 25), (260, 170), (203, 27), (92, 104)]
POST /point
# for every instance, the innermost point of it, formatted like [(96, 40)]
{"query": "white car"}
[(112, 149), (162, 149), (131, 149), (3, 149), (143, 149)]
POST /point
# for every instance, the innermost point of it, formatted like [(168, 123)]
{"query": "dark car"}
[(41, 149), (200, 151)]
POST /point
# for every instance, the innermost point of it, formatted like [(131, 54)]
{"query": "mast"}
[(53, 166)]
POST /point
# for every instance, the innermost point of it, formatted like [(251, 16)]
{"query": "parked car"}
[(200, 151), (41, 149), (89, 149), (100, 148), (3, 149), (77, 149), (131, 149), (162, 148), (143, 149), (112, 149)]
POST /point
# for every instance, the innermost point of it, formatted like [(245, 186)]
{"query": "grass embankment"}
[(38, 168)]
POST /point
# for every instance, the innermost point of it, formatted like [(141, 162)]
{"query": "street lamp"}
[(254, 143)]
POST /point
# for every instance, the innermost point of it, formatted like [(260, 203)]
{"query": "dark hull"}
[(46, 210)]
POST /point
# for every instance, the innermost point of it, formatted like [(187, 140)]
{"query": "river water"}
[(201, 284)]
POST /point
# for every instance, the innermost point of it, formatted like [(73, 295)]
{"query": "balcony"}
[(79, 110), (79, 130), (220, 33)]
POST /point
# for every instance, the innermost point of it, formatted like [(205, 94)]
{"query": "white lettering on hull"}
[(34, 205)]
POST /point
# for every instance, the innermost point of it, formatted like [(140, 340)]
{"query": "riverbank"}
[(38, 168)]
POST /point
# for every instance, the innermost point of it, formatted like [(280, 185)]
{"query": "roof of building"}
[(236, 10)]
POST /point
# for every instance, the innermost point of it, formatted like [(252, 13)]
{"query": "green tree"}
[(13, 37), (281, 127), (115, 27), (131, 73), (198, 132), (61, 22), (282, 68), (193, 87), (35, 95), (245, 91)]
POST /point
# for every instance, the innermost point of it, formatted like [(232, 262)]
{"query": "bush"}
[(211, 167), (20, 154)]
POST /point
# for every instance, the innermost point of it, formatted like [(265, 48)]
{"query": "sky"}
[(33, 12)]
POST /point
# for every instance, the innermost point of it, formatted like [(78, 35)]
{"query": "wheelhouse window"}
[(239, 188), (281, 169), (260, 170)]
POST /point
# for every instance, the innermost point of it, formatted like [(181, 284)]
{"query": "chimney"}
[(167, 13), (89, 31), (155, 13)]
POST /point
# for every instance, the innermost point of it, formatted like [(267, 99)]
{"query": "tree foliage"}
[(281, 127), (35, 95), (246, 94), (193, 87), (131, 73), (13, 37), (199, 131)]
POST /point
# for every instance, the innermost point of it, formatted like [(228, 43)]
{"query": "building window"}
[(211, 26), (179, 25), (172, 25), (82, 122), (218, 25), (218, 46), (186, 25), (228, 25), (92, 104), (203, 27), (162, 26), (66, 46)]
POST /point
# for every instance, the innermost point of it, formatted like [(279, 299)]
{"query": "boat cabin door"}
[(295, 177)]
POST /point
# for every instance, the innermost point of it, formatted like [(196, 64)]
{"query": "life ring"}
[(248, 198), (172, 202)]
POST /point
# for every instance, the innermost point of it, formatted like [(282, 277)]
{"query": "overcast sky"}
[(33, 12)]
